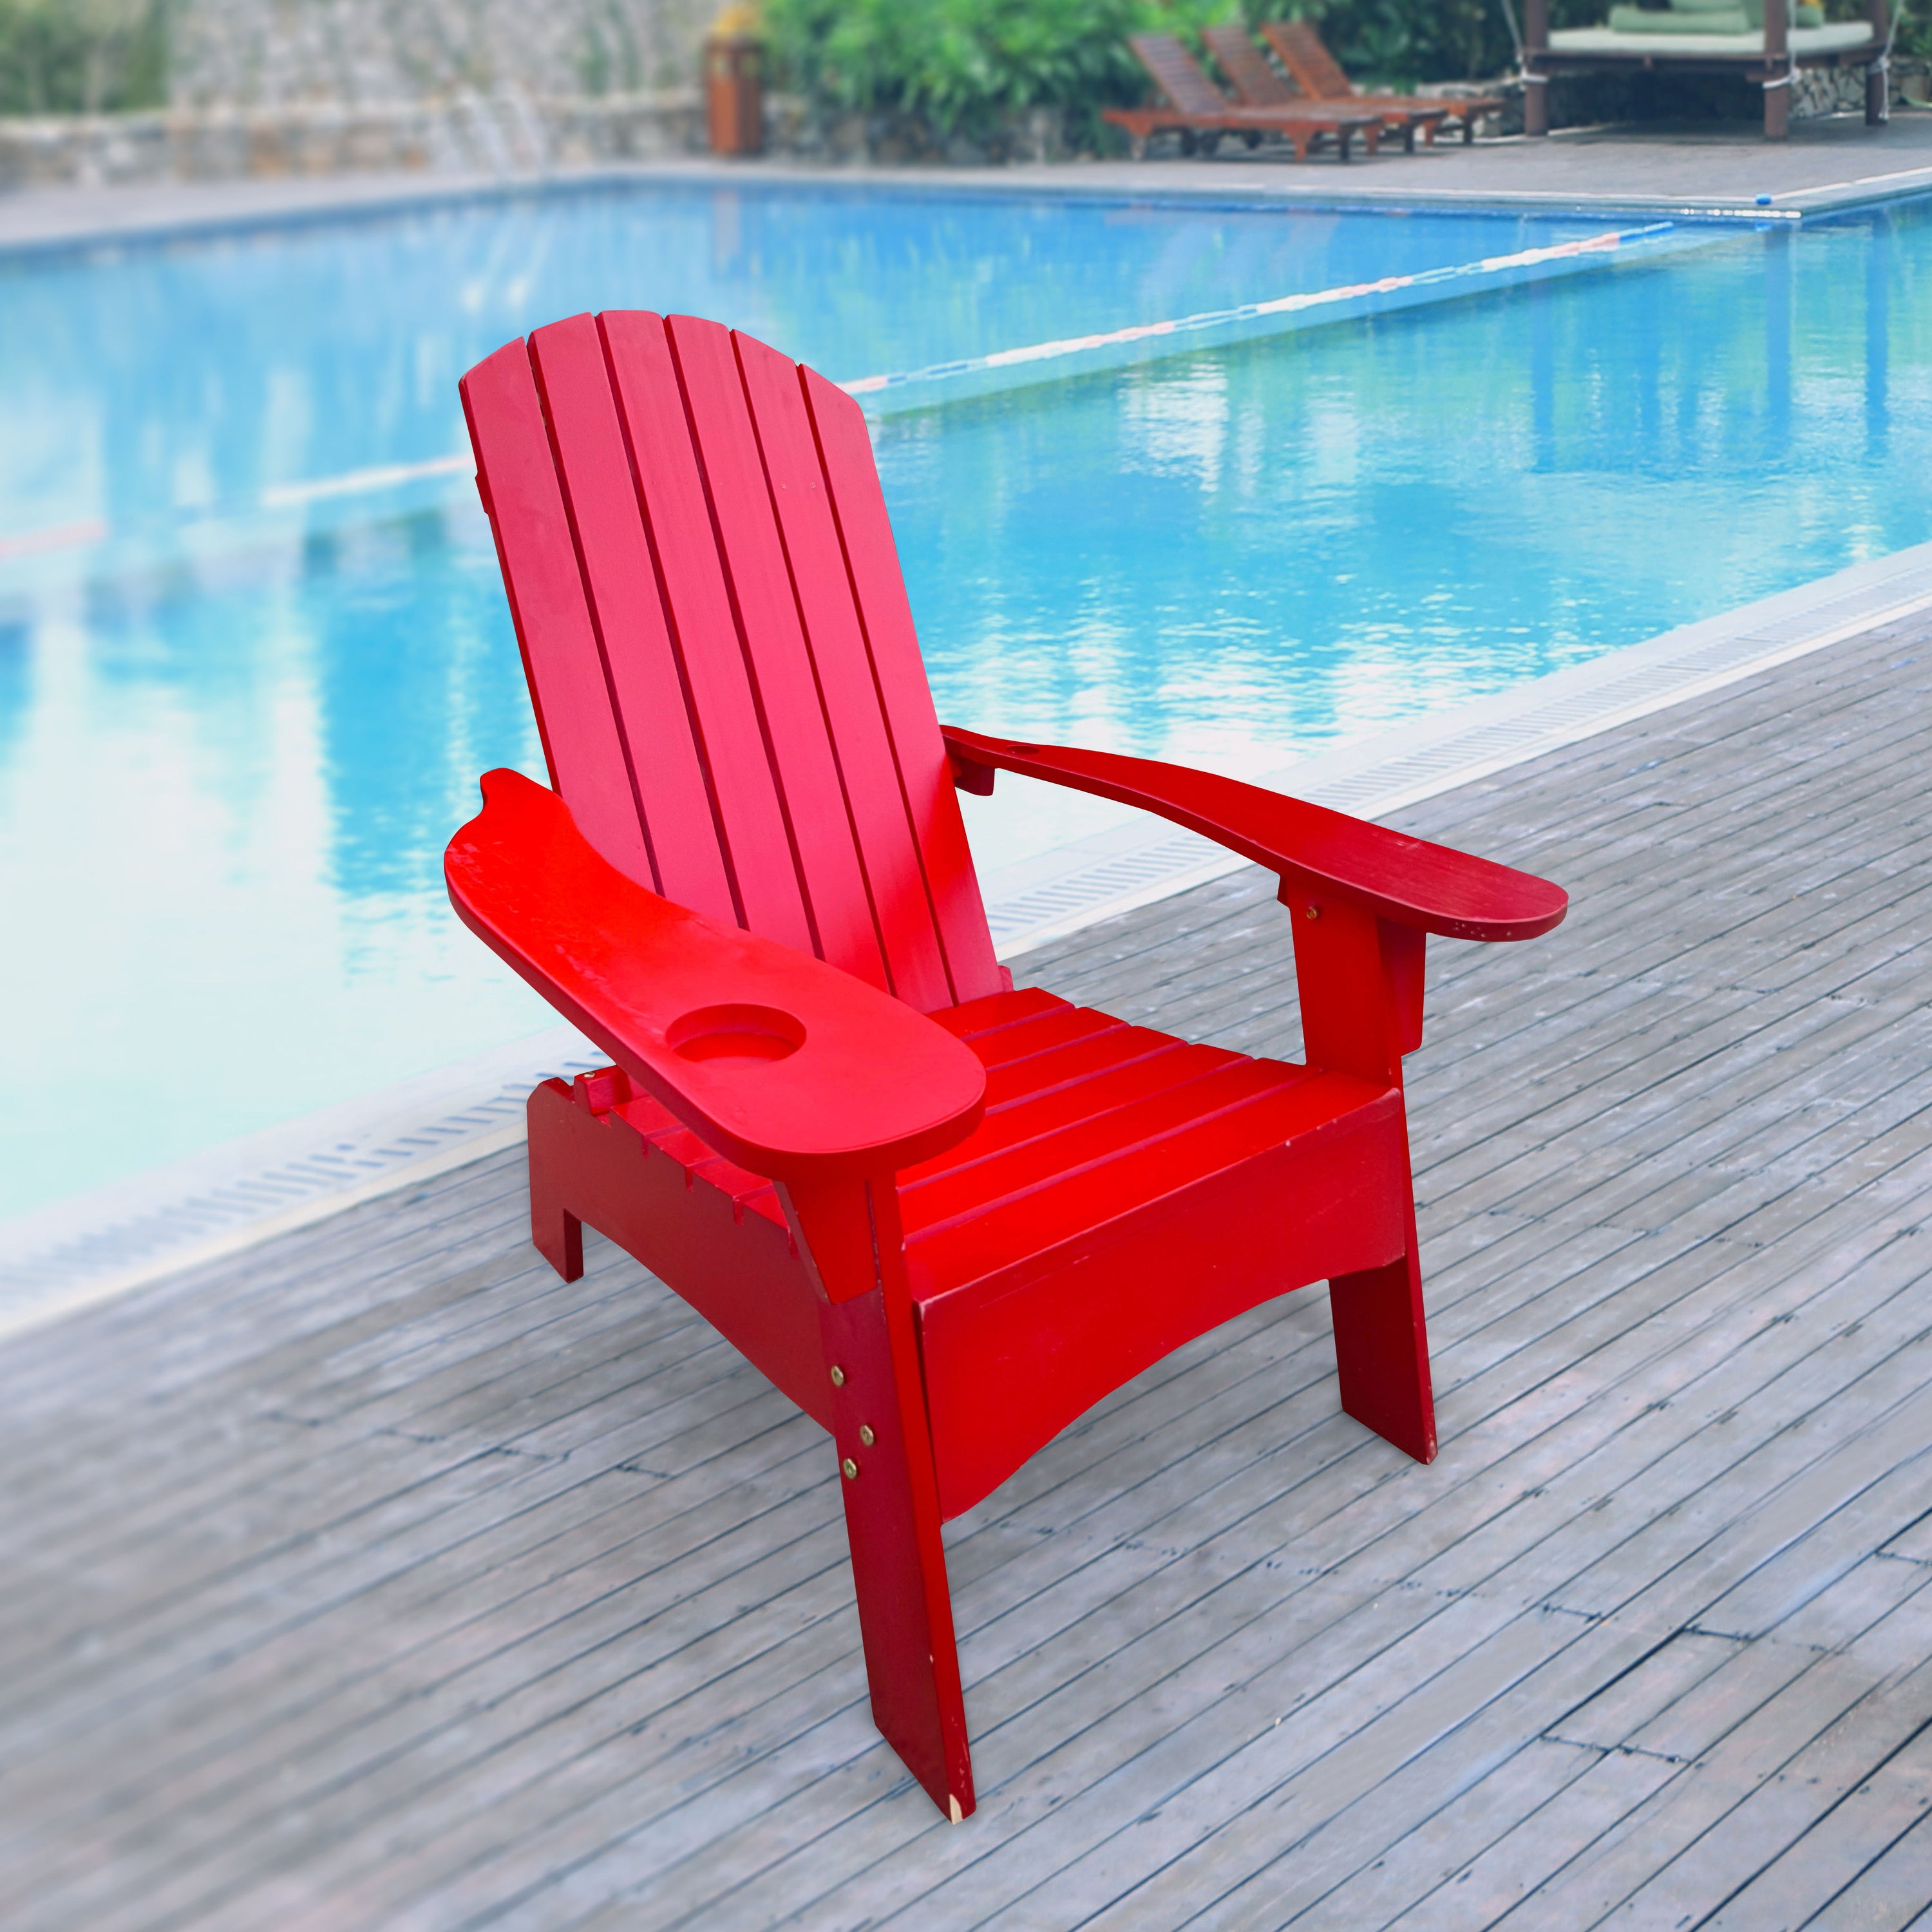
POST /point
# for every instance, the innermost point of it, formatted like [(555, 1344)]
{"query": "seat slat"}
[(811, 792), (639, 663), (549, 609), (1028, 1081), (952, 1255), (997, 1011), (1161, 1063), (670, 1136), (874, 798), (1121, 1133), (1012, 1045), (925, 777), (758, 848)]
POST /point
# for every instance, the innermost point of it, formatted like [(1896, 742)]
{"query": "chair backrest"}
[(719, 650), (1178, 74), (1255, 82), (1312, 65)]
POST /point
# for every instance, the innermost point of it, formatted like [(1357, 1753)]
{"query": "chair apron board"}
[(944, 1217), (1043, 1251)]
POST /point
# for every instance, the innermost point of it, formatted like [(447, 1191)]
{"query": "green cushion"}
[(1708, 16), (1647, 20), (1803, 14)]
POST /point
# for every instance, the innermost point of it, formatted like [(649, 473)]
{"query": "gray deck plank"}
[(428, 1591)]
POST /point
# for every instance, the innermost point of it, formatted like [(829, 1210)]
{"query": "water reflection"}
[(232, 744)]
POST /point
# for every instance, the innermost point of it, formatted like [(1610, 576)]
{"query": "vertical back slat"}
[(873, 794), (615, 562), (569, 688), (810, 790), (730, 741), (932, 806), (720, 652)]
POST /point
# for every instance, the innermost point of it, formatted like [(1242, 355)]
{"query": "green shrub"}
[(964, 66), (82, 56)]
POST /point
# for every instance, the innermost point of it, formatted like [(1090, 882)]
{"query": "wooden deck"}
[(376, 1579)]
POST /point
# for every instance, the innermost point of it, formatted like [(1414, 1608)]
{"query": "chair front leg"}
[(1382, 1351), (1360, 979), (850, 1235)]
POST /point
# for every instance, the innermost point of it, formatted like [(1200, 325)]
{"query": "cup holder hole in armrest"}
[(735, 1032)]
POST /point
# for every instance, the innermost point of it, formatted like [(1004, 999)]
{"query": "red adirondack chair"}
[(944, 1217)]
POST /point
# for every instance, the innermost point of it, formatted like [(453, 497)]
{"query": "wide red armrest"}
[(789, 1067), (1408, 880)]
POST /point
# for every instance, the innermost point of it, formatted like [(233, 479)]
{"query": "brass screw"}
[(838, 1377), (851, 1469), (865, 1435), (1314, 912)]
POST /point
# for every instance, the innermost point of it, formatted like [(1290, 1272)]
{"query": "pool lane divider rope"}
[(1004, 368), (942, 382)]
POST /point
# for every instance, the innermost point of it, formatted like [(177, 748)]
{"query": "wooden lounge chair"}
[(944, 1217), (1257, 84), (1198, 110), (1314, 71)]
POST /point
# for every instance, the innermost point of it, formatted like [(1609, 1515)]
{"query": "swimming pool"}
[(253, 650)]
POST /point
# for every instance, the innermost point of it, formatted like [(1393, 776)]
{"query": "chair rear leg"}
[(558, 1233), (1381, 1350)]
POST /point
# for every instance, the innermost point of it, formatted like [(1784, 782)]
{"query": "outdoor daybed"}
[(1745, 37)]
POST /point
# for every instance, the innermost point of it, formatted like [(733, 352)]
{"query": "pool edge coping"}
[(237, 1196), (289, 203)]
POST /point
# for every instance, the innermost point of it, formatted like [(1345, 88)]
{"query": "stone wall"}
[(502, 134), (266, 53), (279, 87)]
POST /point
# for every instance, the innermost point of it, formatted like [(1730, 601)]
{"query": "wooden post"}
[(1778, 64), (734, 94), (1536, 82)]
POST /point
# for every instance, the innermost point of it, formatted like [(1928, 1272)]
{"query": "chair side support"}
[(1359, 979)]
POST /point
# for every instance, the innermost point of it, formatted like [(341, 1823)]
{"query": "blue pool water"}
[(253, 650)]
